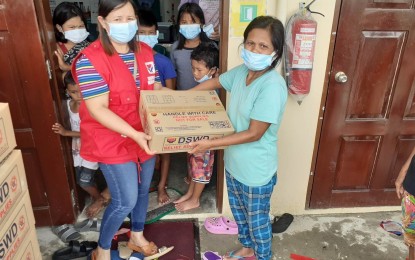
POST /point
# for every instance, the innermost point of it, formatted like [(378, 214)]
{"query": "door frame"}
[(47, 36), (223, 67), (323, 101)]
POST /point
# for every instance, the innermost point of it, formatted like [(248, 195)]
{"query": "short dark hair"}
[(195, 11), (208, 53), (147, 18), (68, 79), (106, 7), (276, 30), (62, 13)]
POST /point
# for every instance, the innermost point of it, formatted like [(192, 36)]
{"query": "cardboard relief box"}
[(29, 249), (7, 138), (176, 118), (13, 183), (17, 230)]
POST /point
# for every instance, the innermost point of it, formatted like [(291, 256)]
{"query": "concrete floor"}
[(323, 237)]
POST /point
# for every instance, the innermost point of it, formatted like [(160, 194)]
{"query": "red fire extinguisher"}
[(300, 42)]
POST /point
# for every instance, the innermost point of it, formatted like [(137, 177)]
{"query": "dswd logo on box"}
[(186, 139), (6, 243)]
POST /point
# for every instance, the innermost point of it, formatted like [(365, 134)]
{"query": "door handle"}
[(340, 77)]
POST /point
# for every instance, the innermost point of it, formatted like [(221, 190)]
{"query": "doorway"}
[(166, 13), (368, 129)]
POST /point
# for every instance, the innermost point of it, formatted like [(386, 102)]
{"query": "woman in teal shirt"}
[(257, 102)]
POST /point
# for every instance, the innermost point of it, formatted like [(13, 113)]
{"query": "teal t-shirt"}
[(254, 163)]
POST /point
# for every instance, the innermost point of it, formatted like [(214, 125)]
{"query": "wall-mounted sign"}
[(243, 12)]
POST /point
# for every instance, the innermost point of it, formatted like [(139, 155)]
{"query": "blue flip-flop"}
[(232, 255)]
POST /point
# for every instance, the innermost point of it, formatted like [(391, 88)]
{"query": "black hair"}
[(68, 79), (147, 18), (276, 30), (195, 11), (62, 13), (106, 7), (208, 53)]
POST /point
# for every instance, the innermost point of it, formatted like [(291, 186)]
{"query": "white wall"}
[(299, 125)]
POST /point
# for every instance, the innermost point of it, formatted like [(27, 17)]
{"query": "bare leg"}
[(162, 195), (193, 201), (99, 202), (187, 195), (138, 239), (243, 252), (106, 194)]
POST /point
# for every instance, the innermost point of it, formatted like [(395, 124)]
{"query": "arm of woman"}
[(402, 174), (210, 84), (255, 131), (98, 109)]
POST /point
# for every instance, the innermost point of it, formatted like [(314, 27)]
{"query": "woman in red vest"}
[(111, 72)]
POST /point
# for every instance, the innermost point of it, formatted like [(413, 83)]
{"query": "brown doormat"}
[(182, 234)]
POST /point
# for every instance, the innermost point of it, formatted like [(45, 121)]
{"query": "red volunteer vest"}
[(100, 144)]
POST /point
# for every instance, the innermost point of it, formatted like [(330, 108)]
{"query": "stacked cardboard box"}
[(17, 223)]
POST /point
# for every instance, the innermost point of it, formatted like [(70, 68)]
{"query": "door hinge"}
[(49, 69), (311, 173)]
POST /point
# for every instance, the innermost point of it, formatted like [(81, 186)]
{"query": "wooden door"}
[(368, 128), (26, 85)]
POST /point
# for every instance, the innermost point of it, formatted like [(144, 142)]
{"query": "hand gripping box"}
[(13, 183), (7, 139), (17, 230), (175, 118)]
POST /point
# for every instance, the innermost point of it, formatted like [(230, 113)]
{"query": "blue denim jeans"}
[(128, 195)]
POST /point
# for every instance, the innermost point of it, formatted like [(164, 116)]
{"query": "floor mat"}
[(165, 233), (156, 211)]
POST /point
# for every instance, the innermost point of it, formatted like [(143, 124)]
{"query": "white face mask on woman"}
[(76, 35)]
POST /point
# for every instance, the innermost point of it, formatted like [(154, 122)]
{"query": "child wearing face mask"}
[(70, 32), (205, 63), (191, 21), (148, 33), (84, 169)]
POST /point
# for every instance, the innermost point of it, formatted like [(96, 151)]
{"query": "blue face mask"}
[(255, 61), (204, 78), (190, 31), (123, 32), (150, 40), (208, 29)]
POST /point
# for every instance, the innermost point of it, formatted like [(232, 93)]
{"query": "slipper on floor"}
[(209, 255), (66, 233), (215, 220), (221, 226), (282, 223), (88, 225), (136, 256), (123, 249), (392, 227), (161, 251), (74, 250), (232, 255)]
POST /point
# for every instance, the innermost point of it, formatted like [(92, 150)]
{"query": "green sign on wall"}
[(248, 13)]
